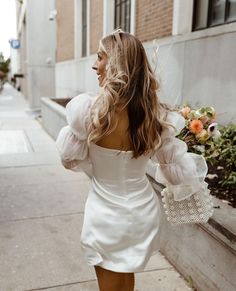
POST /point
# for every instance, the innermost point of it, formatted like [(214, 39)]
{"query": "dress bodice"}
[(117, 172)]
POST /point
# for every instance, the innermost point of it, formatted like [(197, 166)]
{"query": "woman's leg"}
[(114, 281), (129, 281)]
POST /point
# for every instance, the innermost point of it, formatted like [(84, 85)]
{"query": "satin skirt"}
[(122, 213)]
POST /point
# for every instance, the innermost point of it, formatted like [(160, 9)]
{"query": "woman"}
[(119, 131)]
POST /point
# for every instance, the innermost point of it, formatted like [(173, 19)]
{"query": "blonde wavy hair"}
[(130, 82)]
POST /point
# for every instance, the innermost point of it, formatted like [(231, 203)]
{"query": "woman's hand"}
[(70, 164)]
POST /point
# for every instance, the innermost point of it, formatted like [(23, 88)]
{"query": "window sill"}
[(204, 33)]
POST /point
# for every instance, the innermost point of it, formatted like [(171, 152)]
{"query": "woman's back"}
[(119, 138)]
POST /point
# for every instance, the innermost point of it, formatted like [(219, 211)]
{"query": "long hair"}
[(130, 83)]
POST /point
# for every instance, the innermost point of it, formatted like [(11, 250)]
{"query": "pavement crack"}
[(156, 269), (30, 165), (42, 217), (61, 285)]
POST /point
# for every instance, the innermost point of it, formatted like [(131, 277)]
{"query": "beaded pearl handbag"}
[(197, 208)]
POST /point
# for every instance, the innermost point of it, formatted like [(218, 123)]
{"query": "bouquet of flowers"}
[(200, 129)]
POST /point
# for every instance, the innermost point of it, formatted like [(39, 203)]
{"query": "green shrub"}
[(222, 152)]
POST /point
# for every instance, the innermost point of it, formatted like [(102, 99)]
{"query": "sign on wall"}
[(15, 43)]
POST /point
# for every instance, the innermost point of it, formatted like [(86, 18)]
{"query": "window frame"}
[(209, 13), (84, 28)]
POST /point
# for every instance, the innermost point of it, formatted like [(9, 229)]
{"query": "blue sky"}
[(7, 25)]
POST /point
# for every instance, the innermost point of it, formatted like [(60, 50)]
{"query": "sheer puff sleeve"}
[(72, 139), (181, 172)]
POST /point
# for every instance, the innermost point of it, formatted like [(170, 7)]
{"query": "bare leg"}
[(114, 281)]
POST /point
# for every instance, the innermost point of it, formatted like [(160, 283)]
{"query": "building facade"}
[(36, 29), (93, 19), (190, 44)]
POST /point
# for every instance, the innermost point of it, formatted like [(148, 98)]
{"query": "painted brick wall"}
[(65, 30), (96, 24), (153, 19)]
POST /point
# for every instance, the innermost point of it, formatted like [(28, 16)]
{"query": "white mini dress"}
[(122, 211)]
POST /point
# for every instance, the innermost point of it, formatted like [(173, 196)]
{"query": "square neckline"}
[(104, 149)]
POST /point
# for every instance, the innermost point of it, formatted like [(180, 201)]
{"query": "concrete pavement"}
[(41, 213)]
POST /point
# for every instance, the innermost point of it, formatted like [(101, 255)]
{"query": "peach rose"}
[(196, 126), (185, 111), (204, 119)]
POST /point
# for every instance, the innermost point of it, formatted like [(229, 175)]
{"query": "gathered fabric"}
[(181, 172), (71, 142)]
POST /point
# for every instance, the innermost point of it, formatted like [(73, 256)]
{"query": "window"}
[(84, 28), (122, 14), (217, 12), (231, 10), (208, 13)]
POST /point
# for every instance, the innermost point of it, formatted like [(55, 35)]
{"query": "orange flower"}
[(185, 111), (196, 126)]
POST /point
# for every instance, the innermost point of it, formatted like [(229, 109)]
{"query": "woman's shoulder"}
[(78, 110), (80, 102)]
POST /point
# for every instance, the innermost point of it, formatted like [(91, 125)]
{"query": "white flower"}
[(211, 176), (213, 130), (200, 148)]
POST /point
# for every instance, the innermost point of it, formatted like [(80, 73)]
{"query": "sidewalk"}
[(41, 213)]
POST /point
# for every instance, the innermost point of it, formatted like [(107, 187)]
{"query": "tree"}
[(4, 64)]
